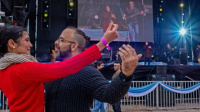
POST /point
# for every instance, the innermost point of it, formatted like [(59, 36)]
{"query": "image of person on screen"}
[(107, 17), (131, 18)]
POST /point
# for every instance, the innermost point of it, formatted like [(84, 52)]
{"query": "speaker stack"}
[(183, 56), (161, 74)]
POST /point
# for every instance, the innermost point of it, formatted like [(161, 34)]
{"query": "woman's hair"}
[(9, 32), (98, 63)]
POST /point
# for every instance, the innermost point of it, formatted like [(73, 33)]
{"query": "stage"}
[(146, 72)]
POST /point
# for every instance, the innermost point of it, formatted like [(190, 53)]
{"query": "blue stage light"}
[(182, 31)]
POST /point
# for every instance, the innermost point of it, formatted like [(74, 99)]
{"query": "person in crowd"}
[(22, 77), (98, 65), (168, 53), (131, 18), (75, 93), (198, 52), (117, 68), (97, 104), (147, 53)]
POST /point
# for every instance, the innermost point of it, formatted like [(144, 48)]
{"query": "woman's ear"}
[(11, 44)]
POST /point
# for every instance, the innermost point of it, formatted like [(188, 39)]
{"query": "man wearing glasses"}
[(75, 93)]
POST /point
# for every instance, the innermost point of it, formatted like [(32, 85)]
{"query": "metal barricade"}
[(156, 100), (3, 103), (160, 98)]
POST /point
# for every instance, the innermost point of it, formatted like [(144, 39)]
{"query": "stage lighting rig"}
[(71, 4), (71, 9), (46, 14), (181, 5), (160, 11)]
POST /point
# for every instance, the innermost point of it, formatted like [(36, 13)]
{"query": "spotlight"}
[(71, 4), (173, 77), (154, 76), (182, 31), (182, 22), (161, 9), (45, 15), (182, 5), (188, 58), (96, 17)]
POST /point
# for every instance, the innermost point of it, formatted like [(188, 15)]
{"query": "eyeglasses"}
[(61, 39)]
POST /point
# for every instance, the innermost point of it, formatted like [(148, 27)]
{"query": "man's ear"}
[(74, 47), (11, 44)]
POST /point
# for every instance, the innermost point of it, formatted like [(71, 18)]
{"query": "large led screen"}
[(134, 18)]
